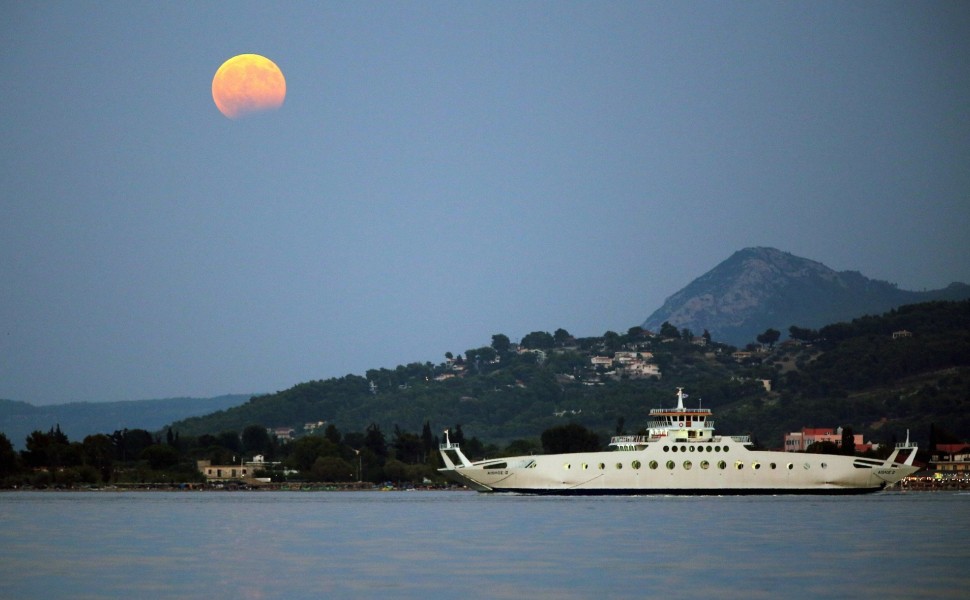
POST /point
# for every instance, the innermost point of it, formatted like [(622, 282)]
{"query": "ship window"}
[(708, 448), (717, 448), (705, 464), (739, 465), (670, 465), (726, 448), (674, 448), (774, 466), (824, 465), (756, 466), (687, 465), (721, 464), (653, 464), (790, 466), (585, 466), (566, 466), (619, 465), (691, 448), (666, 448), (635, 464), (602, 466), (498, 465)]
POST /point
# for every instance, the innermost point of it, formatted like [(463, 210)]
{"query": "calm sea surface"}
[(458, 544)]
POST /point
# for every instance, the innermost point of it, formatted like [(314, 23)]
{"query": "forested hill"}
[(856, 374)]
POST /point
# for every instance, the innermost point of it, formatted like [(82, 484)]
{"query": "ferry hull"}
[(679, 455), (687, 471)]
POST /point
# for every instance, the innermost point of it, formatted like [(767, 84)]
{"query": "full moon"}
[(246, 84)]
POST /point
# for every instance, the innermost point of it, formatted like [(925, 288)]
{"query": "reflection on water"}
[(432, 544)]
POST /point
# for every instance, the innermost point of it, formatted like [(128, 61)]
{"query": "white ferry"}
[(679, 455)]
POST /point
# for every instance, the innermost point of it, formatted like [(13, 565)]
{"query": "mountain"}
[(761, 288), (80, 419)]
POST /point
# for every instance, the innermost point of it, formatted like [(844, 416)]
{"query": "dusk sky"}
[(444, 171)]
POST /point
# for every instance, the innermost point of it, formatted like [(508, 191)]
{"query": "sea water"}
[(462, 544)]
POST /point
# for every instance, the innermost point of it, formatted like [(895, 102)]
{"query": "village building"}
[(951, 460), (799, 441)]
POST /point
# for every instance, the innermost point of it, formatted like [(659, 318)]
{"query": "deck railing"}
[(629, 439)]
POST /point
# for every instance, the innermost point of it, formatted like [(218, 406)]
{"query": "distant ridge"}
[(761, 288), (81, 419)]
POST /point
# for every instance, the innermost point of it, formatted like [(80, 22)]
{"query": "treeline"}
[(51, 460)]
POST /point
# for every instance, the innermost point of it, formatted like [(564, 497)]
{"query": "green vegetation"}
[(857, 375)]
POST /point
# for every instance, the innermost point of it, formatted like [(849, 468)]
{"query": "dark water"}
[(455, 544)]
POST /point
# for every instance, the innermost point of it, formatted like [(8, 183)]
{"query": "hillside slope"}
[(854, 374)]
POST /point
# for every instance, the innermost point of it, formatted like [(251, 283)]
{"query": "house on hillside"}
[(951, 460), (799, 441)]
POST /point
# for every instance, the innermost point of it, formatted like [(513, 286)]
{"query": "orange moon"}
[(246, 84)]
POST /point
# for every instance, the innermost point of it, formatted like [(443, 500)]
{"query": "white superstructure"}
[(679, 455)]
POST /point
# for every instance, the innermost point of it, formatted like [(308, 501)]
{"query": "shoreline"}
[(910, 484)]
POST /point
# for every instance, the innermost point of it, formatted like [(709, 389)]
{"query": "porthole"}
[(585, 466), (739, 465), (774, 466), (674, 448), (666, 448), (691, 448), (635, 464), (700, 448), (824, 465), (602, 466), (670, 465), (705, 464), (756, 466), (721, 465), (717, 448), (687, 465), (790, 466), (653, 464), (708, 448), (619, 465), (726, 448), (566, 466)]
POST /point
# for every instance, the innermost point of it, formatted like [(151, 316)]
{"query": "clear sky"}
[(444, 171)]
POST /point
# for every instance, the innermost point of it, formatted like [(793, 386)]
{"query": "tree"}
[(848, 441), (9, 461), (612, 341), (571, 437), (669, 331), (332, 468), (802, 334), (538, 340), (160, 457), (769, 337), (561, 337), (374, 440), (501, 343), (99, 453), (332, 434), (408, 446), (256, 440)]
